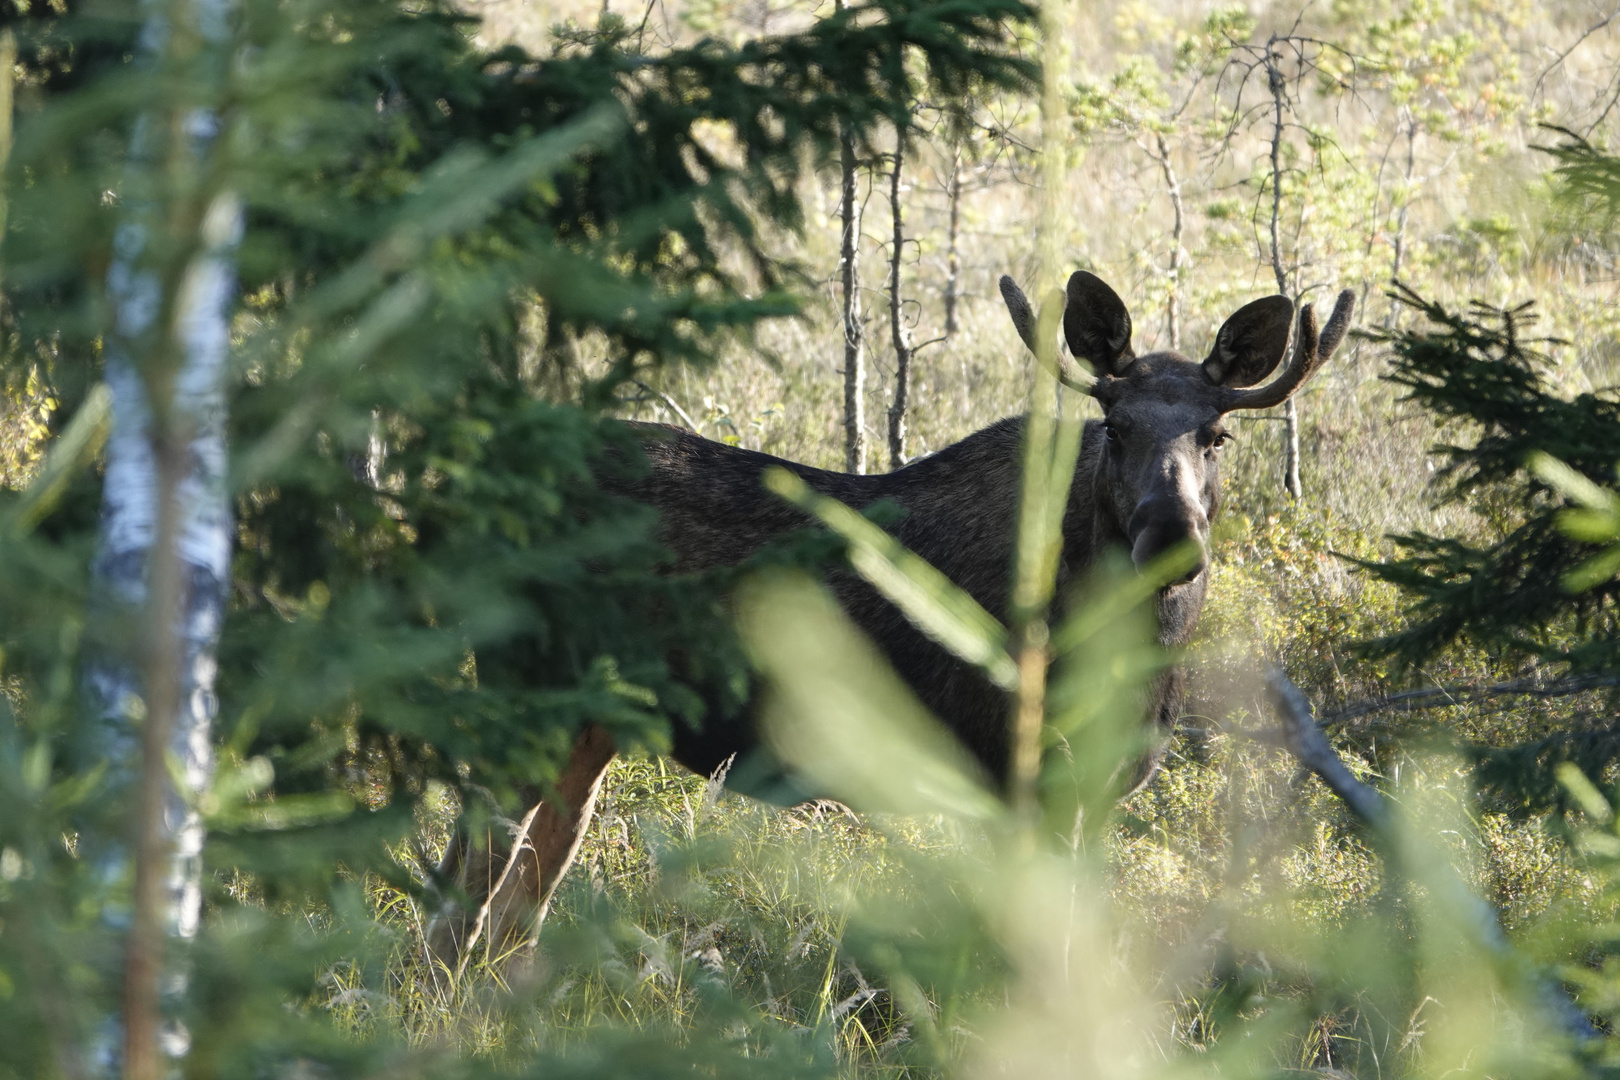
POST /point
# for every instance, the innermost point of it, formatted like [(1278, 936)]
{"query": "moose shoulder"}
[(1148, 479)]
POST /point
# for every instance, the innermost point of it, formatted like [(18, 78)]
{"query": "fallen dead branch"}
[(1302, 737)]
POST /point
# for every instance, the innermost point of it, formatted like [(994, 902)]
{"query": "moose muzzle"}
[(1162, 521)]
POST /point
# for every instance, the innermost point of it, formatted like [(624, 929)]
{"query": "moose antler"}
[(1310, 353), (1069, 373)]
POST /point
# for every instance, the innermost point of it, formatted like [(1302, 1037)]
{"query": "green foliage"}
[(947, 614), (1205, 48), (1124, 104), (1506, 594), (1587, 177), (24, 426), (1594, 519), (1282, 585), (430, 592)]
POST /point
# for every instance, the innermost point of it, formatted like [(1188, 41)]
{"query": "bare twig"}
[(143, 960), (1439, 697), (953, 254), (1411, 127), (671, 404), (1277, 83), (1613, 91), (1172, 184), (1561, 57), (520, 844)]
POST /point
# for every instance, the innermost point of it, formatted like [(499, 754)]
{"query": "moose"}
[(1147, 479)]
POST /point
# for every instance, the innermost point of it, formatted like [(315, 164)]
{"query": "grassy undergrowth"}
[(1232, 878), (691, 906)]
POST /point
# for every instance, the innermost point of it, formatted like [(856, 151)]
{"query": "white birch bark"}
[(900, 334), (849, 268), (849, 254), (1278, 85), (163, 556), (131, 494)]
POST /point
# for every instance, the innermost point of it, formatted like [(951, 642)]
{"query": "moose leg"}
[(514, 888)]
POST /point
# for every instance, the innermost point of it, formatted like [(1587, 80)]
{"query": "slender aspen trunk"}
[(897, 321), (953, 254), (160, 570), (1400, 219), (8, 65), (1277, 84), (1172, 183), (849, 253)]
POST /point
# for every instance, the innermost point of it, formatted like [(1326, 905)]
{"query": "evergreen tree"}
[(427, 584), (1538, 591), (1505, 593)]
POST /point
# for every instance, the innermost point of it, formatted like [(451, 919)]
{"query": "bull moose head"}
[(1156, 473)]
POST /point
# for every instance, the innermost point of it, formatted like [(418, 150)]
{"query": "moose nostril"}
[(1159, 524), (1150, 543), (1192, 575), (1168, 515)]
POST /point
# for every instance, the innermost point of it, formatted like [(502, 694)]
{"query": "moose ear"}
[(1096, 324), (1251, 344)]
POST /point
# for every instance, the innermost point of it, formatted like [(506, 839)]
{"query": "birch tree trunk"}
[(1399, 256), (1277, 83), (953, 253), (163, 556), (849, 253), (897, 322), (1172, 183)]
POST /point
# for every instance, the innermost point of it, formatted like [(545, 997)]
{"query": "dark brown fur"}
[(959, 509)]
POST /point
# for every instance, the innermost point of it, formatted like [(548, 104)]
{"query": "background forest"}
[(444, 249)]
